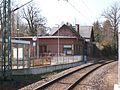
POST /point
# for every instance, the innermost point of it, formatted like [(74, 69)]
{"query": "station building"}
[(66, 40)]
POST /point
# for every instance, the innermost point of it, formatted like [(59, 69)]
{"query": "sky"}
[(83, 12)]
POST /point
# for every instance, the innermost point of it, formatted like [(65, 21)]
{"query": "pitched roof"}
[(54, 30), (30, 37), (85, 32), (74, 31)]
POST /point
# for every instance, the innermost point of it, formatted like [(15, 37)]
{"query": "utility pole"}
[(6, 39), (5, 17)]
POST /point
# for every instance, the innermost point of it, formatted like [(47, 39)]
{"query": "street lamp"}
[(58, 43), (17, 48)]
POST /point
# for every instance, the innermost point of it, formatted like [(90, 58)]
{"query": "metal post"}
[(17, 47), (58, 46), (34, 45), (34, 54), (29, 63), (83, 59), (119, 56), (37, 47), (23, 61), (1, 28), (17, 56), (117, 86), (6, 39)]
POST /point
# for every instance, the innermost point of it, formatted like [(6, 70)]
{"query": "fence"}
[(25, 61), (54, 59)]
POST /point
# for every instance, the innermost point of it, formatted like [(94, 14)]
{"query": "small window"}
[(67, 49)]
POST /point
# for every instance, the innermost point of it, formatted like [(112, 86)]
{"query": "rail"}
[(70, 87)]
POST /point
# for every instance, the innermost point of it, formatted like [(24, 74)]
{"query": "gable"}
[(66, 30)]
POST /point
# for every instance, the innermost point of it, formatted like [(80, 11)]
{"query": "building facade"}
[(67, 40)]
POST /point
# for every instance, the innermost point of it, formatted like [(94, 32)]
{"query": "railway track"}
[(71, 79)]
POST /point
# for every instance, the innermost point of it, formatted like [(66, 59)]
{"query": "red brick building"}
[(64, 41), (67, 40)]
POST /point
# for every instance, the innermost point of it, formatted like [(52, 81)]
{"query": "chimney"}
[(77, 28)]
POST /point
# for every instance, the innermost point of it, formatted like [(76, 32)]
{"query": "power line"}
[(86, 6), (79, 11), (16, 8), (21, 6), (76, 9)]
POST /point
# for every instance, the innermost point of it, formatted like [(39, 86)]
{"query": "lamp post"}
[(58, 44), (17, 37), (17, 48)]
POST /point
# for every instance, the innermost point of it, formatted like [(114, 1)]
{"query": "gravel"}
[(102, 79)]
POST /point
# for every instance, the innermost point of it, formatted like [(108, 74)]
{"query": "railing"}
[(45, 59), (53, 59)]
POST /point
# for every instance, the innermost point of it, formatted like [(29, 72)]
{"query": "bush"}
[(109, 51)]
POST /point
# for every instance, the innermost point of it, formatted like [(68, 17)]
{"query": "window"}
[(67, 49)]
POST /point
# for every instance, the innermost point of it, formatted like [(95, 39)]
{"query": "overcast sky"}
[(84, 12)]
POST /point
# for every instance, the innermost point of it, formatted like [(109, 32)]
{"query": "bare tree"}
[(108, 32), (113, 15), (34, 19)]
